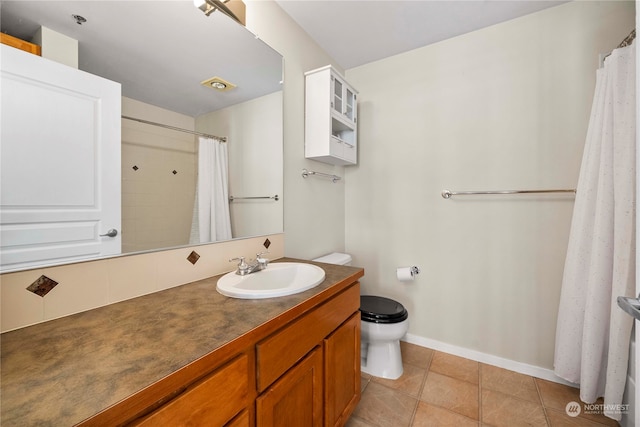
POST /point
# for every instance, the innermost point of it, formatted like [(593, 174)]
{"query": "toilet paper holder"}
[(405, 274)]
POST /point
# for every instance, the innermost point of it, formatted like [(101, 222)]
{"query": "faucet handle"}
[(262, 261), (243, 267)]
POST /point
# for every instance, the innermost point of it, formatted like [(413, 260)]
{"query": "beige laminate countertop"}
[(64, 371)]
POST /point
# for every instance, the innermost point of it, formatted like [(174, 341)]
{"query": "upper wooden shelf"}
[(20, 44)]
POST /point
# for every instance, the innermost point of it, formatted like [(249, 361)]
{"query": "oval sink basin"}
[(277, 280)]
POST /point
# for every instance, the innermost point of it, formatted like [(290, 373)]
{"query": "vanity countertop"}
[(67, 370)]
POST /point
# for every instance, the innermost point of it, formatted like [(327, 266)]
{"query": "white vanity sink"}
[(277, 280)]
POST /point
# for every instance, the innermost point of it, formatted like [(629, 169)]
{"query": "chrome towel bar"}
[(447, 194), (334, 178), (276, 198)]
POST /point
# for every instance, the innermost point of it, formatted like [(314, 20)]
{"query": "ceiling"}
[(140, 47), (159, 51), (356, 32)]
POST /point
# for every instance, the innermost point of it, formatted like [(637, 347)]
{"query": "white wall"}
[(254, 132), (505, 107), (314, 208)]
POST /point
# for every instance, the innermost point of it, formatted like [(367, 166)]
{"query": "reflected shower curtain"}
[(592, 336), (211, 220)]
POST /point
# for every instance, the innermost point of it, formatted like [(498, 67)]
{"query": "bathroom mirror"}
[(160, 52)]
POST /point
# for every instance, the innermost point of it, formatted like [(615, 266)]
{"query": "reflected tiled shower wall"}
[(159, 172)]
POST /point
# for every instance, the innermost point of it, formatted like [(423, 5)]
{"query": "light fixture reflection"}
[(210, 6)]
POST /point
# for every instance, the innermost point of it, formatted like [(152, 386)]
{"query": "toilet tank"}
[(335, 258)]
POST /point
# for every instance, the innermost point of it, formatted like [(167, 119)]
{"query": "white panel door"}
[(59, 162)]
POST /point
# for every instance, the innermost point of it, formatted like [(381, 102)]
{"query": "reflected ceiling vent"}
[(218, 84)]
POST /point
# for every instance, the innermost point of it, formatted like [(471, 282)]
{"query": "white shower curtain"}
[(211, 220), (592, 336)]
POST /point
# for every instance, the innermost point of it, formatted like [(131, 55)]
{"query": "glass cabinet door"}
[(350, 101), (337, 95)]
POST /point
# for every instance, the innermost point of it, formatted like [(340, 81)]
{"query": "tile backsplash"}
[(91, 284)]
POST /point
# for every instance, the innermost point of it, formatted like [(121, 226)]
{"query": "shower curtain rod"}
[(192, 132), (624, 43), (629, 39)]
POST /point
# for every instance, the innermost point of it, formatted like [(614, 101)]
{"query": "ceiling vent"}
[(218, 84)]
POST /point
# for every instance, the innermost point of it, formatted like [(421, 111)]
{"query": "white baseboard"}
[(489, 359)]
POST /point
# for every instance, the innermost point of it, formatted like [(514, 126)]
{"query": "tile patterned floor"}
[(438, 389)]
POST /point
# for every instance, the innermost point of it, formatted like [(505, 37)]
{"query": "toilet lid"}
[(381, 310)]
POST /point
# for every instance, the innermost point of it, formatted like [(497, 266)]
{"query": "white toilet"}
[(383, 322)]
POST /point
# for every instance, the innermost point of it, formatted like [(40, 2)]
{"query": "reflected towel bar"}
[(447, 194), (276, 198), (334, 178)]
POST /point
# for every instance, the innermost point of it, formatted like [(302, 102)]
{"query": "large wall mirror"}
[(160, 53)]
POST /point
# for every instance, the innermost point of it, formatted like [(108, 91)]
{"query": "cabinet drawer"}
[(212, 401), (276, 354)]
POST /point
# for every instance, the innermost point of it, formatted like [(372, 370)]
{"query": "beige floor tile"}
[(557, 396), (433, 416), (416, 355), (356, 422), (561, 419), (364, 381), (410, 382), (502, 410), (381, 406), (455, 367), (452, 394), (508, 382)]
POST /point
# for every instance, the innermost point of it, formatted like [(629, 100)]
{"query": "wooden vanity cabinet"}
[(324, 387), (304, 372)]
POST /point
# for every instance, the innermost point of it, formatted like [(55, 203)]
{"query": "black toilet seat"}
[(377, 309)]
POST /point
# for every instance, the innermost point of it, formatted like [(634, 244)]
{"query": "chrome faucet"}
[(258, 264)]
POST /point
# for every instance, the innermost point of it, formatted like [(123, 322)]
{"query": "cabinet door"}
[(343, 99), (342, 372), (241, 420), (350, 153), (296, 398), (336, 146), (337, 90), (350, 104)]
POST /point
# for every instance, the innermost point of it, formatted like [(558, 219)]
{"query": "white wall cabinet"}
[(331, 118)]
